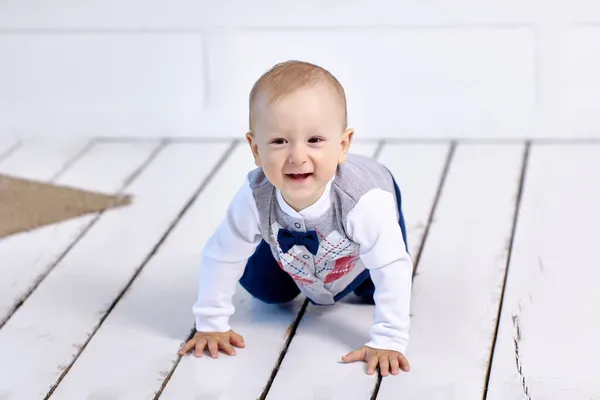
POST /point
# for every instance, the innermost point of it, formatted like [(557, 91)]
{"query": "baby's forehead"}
[(272, 95), (316, 98)]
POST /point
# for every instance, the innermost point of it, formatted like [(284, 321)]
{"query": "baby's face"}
[(299, 142)]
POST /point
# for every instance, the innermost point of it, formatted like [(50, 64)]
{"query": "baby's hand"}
[(214, 341), (385, 359)]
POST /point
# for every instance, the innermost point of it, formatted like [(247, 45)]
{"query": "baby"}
[(311, 219)]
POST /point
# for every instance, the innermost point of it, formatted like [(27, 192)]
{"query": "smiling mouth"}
[(298, 177)]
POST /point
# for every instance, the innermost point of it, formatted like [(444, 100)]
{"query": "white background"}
[(416, 69)]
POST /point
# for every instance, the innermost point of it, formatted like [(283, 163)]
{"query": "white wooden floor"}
[(97, 307)]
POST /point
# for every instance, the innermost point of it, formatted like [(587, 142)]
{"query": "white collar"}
[(313, 211)]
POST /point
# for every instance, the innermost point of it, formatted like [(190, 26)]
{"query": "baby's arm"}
[(223, 261), (374, 225)]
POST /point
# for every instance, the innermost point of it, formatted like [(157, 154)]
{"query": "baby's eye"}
[(315, 140), (278, 141)]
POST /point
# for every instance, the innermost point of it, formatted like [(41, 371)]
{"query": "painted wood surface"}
[(46, 334), (28, 256), (22, 262), (418, 169), (265, 328), (312, 367), (42, 160), (154, 317), (7, 146), (550, 295), (547, 346), (458, 285)]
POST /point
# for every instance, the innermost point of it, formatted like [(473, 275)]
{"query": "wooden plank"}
[(43, 160), (552, 284), (45, 335), (32, 254), (457, 289), (312, 367)]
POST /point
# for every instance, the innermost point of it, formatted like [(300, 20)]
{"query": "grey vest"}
[(337, 262)]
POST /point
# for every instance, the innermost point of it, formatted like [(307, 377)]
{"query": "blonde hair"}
[(288, 76)]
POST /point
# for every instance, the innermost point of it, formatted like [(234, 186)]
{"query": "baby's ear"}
[(346, 141), (253, 147)]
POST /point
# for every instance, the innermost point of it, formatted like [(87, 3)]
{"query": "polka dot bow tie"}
[(288, 239)]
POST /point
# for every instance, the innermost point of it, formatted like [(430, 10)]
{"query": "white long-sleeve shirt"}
[(361, 195)]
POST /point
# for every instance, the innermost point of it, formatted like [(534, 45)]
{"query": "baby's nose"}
[(298, 155)]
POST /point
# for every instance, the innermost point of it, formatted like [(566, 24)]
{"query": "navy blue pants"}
[(264, 280)]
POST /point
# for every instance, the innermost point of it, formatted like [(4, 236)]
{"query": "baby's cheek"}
[(273, 162), (274, 175)]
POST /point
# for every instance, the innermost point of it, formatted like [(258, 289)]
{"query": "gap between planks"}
[(436, 200), (6, 153), (517, 209), (442, 182), (553, 273), (86, 149), (209, 178)]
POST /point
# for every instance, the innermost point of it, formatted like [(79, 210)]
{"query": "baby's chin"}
[(302, 194)]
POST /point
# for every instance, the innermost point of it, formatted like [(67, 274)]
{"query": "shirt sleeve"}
[(223, 261), (374, 226)]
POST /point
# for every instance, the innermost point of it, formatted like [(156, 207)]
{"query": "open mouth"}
[(298, 177)]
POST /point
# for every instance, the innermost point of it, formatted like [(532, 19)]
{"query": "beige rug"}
[(26, 205)]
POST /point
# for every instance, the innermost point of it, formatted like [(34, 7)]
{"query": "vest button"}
[(298, 225)]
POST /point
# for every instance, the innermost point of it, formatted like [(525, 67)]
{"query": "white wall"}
[(462, 68)]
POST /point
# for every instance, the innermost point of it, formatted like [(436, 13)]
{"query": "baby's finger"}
[(237, 340), (404, 364), (213, 347), (394, 365), (186, 347), (227, 348), (372, 364), (384, 365), (355, 355), (200, 344)]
